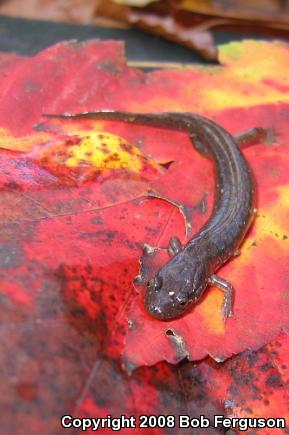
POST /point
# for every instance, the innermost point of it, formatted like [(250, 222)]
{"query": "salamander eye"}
[(155, 284)]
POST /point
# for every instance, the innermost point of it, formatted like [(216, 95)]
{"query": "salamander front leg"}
[(228, 290), (147, 251), (175, 246)]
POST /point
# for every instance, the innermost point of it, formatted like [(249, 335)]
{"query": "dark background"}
[(27, 37)]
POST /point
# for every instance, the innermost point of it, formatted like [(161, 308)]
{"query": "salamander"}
[(181, 282)]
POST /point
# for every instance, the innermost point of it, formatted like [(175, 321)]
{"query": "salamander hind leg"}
[(227, 288), (254, 136), (200, 146)]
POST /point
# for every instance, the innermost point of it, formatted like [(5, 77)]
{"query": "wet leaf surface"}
[(74, 218)]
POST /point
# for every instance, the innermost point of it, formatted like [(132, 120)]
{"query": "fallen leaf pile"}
[(74, 216), (187, 22)]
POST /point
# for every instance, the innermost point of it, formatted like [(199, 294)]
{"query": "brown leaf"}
[(196, 38), (271, 10), (137, 3)]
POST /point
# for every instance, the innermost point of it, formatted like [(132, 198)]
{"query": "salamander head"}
[(174, 289)]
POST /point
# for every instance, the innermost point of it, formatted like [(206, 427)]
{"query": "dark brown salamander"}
[(181, 282)]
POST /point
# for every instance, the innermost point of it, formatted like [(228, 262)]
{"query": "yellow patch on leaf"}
[(211, 310), (250, 76), (83, 156), (103, 150), (21, 144)]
